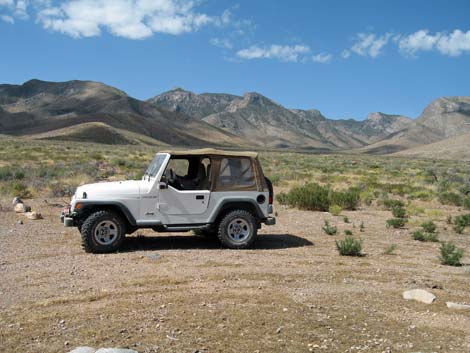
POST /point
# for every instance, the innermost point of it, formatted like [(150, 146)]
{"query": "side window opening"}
[(191, 173), (236, 172)]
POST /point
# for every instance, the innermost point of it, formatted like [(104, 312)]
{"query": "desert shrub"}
[(460, 222), (450, 254), (315, 197), (346, 219), (425, 236), (396, 222), (350, 246), (392, 203), (348, 232), (329, 229), (414, 210), (399, 212), (21, 190), (429, 227), (449, 219), (5, 174), (390, 249), (282, 198), (367, 197), (466, 203), (348, 199), (450, 198), (335, 210)]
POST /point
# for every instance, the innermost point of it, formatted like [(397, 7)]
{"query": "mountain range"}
[(92, 111)]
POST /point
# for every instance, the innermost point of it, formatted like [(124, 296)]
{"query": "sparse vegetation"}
[(400, 216), (390, 249), (346, 219), (450, 254), (348, 232), (335, 210), (461, 222), (329, 229), (425, 236), (350, 246), (362, 227), (429, 227)]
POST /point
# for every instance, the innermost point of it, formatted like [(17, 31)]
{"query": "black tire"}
[(237, 223), (94, 241)]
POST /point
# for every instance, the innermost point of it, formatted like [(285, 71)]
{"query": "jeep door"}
[(187, 191)]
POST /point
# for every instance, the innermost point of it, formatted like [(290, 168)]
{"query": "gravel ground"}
[(181, 293)]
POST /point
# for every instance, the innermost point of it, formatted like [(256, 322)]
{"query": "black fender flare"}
[(237, 203), (107, 204)]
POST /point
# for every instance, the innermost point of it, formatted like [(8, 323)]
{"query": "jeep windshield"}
[(155, 165)]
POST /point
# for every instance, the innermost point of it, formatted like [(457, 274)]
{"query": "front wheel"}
[(238, 230), (102, 232)]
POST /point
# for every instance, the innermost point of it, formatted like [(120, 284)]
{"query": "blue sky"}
[(345, 58)]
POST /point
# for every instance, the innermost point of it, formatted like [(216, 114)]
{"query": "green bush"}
[(335, 210), (450, 254), (396, 222), (350, 246), (450, 198), (429, 227), (392, 203), (399, 212), (460, 222), (346, 219), (282, 198), (466, 203), (21, 190), (329, 229), (348, 232), (315, 197), (425, 237)]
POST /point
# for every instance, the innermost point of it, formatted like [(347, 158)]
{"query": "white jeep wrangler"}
[(216, 193)]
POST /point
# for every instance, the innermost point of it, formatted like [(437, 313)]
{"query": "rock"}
[(83, 349), (16, 201), (153, 256), (20, 208), (458, 306), (33, 215), (115, 350), (419, 295), (19, 222)]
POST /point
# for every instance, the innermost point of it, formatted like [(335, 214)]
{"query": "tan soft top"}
[(211, 151)]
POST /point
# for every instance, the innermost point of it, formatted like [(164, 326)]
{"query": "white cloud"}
[(223, 43), (322, 58), (368, 44), (7, 19), (452, 44), (280, 52), (345, 54), (130, 19)]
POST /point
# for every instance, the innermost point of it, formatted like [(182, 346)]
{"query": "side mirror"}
[(162, 185)]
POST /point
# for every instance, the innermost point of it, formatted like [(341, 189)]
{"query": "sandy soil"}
[(181, 293)]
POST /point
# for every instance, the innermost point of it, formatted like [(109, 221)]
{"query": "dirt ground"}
[(182, 293)]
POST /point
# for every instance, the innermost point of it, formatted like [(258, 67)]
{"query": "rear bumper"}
[(270, 221)]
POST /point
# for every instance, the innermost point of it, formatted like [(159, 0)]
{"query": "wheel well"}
[(88, 210), (237, 205)]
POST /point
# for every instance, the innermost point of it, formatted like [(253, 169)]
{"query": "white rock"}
[(20, 208), (83, 349), (33, 215), (115, 350), (16, 201), (419, 295), (458, 306)]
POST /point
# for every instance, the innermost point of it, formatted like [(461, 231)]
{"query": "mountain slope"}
[(39, 106), (456, 147), (262, 121)]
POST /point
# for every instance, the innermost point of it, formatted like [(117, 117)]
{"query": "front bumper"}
[(66, 217)]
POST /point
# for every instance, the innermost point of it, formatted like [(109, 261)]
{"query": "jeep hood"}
[(110, 190)]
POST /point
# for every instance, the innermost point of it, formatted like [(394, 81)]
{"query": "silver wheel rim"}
[(238, 230), (106, 232)]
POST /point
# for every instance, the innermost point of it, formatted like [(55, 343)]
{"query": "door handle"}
[(199, 197)]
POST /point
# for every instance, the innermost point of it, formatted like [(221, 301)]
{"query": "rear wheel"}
[(238, 230), (102, 232)]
